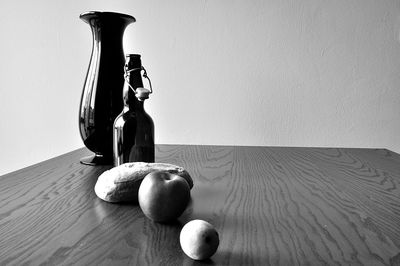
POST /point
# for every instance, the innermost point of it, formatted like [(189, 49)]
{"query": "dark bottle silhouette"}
[(133, 128)]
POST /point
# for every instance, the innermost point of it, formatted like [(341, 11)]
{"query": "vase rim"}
[(91, 14)]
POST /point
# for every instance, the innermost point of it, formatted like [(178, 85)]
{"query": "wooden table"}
[(270, 205)]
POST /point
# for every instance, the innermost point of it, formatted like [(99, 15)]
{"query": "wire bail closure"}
[(140, 92)]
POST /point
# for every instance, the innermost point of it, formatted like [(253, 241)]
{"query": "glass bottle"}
[(133, 128)]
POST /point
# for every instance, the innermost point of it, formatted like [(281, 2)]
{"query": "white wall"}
[(276, 72)]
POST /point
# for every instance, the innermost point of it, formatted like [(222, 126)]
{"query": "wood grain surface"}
[(270, 205)]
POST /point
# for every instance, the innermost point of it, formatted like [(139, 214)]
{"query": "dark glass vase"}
[(133, 128), (101, 100)]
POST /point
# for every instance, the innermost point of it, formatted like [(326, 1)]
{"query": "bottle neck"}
[(131, 102), (133, 66), (137, 107)]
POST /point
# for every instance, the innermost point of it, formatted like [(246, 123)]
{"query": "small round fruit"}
[(199, 239), (163, 196)]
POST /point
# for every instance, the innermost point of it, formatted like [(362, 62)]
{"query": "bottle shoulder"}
[(124, 116), (133, 114)]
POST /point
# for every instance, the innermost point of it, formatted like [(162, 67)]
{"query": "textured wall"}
[(287, 73)]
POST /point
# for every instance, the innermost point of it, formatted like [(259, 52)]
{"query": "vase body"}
[(133, 127), (101, 100)]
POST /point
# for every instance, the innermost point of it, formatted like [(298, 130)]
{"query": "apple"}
[(199, 239), (163, 196)]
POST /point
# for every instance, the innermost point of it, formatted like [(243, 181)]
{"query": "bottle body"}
[(133, 135), (133, 138)]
